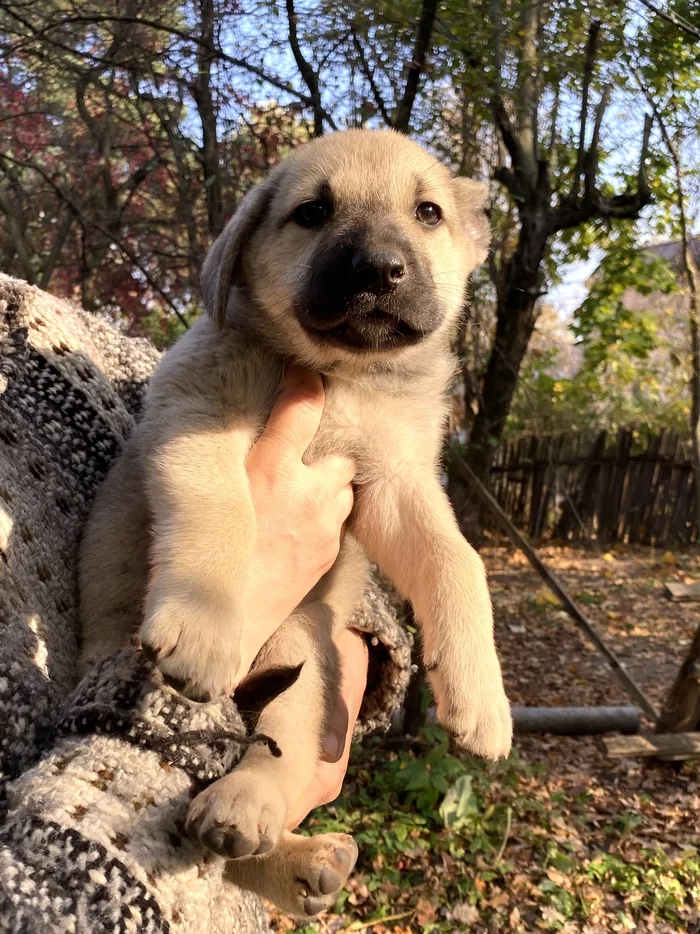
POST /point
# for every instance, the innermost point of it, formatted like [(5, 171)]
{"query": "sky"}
[(567, 296)]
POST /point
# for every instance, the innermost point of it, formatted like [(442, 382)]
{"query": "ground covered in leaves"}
[(560, 837)]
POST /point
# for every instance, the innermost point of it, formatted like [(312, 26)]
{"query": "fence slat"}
[(616, 489)]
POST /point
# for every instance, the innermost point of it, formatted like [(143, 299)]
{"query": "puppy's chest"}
[(376, 429)]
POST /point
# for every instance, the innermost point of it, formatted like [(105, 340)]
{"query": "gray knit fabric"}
[(92, 834)]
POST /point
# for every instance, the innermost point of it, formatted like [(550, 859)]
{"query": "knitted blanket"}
[(96, 778)]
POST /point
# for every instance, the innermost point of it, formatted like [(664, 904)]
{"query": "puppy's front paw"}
[(242, 814), (472, 705), (311, 873), (195, 642)]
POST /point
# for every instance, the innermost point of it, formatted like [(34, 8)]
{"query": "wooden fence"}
[(609, 487)]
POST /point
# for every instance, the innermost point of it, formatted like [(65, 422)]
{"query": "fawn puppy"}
[(351, 259)]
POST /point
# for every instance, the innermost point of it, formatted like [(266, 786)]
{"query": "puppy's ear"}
[(222, 266), (471, 200)]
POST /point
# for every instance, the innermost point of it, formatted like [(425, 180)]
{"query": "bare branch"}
[(670, 17), (96, 19), (367, 72), (507, 133), (590, 165), (497, 44), (591, 51), (511, 179), (552, 148), (306, 70), (86, 223), (623, 206), (402, 118), (526, 104)]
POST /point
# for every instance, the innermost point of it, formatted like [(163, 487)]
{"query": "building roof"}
[(671, 251)]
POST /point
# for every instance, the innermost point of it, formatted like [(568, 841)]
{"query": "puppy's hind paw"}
[(317, 872), (240, 815)]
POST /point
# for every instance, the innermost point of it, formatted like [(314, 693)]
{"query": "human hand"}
[(330, 772), (300, 511)]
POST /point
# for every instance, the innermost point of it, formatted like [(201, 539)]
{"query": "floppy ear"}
[(471, 199), (222, 266)]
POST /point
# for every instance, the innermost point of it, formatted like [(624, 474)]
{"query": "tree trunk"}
[(15, 231), (413, 713), (681, 712), (209, 153), (516, 315), (694, 325), (691, 275)]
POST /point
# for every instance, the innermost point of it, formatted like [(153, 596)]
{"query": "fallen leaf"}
[(552, 915), (557, 877), (426, 911), (465, 913), (544, 597)]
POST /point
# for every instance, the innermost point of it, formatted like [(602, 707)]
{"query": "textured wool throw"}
[(96, 777)]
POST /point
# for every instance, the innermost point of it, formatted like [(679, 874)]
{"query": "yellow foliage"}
[(545, 597)]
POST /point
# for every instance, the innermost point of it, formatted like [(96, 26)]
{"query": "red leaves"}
[(100, 161)]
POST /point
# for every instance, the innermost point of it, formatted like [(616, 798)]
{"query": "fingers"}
[(336, 471), (344, 501), (330, 772), (334, 741), (296, 415)]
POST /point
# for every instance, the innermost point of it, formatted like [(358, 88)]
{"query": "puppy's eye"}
[(311, 213), (428, 213)]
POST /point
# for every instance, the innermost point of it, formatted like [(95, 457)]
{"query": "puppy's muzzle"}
[(367, 297), (378, 272)]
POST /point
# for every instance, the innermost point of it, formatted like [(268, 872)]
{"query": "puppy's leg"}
[(407, 526), (114, 560), (203, 534), (302, 875), (245, 812)]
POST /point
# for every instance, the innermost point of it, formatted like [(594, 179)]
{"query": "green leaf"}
[(459, 803)]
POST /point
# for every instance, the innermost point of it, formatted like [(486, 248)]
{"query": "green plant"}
[(654, 884)]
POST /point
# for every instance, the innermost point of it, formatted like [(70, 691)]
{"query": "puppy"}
[(350, 259)]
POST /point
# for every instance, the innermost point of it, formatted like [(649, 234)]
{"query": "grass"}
[(448, 841)]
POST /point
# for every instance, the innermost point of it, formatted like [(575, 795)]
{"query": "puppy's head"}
[(358, 245)]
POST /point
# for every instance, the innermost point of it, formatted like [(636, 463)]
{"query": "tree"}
[(670, 94), (492, 88), (497, 88), (529, 174), (127, 148)]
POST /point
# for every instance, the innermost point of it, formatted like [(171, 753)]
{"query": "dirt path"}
[(550, 662)]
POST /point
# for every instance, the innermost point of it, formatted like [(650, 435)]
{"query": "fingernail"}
[(332, 748)]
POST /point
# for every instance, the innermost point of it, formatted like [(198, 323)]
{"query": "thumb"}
[(296, 415), (336, 734)]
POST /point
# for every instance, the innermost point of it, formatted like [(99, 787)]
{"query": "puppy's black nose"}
[(377, 271)]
